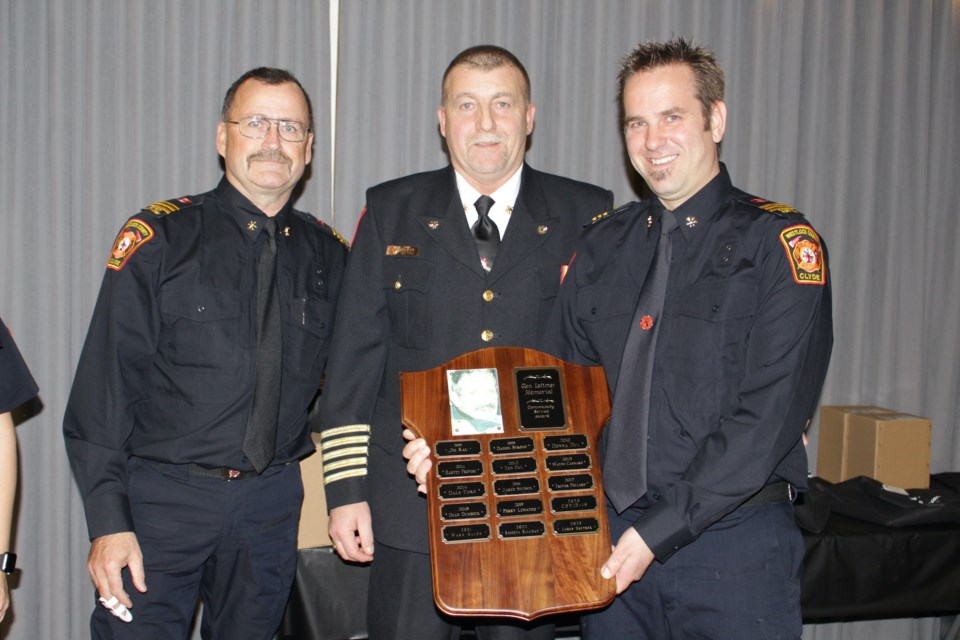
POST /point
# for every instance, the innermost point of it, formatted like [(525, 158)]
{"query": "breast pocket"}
[(605, 314), (406, 283), (711, 325), (309, 322), (201, 327)]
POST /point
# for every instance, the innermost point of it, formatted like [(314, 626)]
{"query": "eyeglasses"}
[(259, 127)]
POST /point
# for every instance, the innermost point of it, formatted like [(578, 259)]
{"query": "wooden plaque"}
[(518, 526)]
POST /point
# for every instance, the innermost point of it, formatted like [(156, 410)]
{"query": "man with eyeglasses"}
[(188, 413)]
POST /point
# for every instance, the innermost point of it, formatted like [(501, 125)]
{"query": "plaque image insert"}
[(474, 401), (540, 401)]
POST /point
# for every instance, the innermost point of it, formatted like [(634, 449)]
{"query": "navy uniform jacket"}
[(168, 367), (415, 296), (743, 348), (16, 384)]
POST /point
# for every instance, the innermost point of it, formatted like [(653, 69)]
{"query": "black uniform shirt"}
[(744, 343), (16, 384), (168, 367)]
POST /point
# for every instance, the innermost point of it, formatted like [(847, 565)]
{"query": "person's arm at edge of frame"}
[(8, 490), (353, 376)]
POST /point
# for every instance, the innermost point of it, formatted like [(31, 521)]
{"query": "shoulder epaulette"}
[(766, 205), (609, 214), (325, 227), (166, 207)]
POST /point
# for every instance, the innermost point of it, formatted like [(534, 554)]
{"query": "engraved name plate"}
[(449, 448), (576, 526), (573, 503), (465, 532), (459, 469), (575, 482), (516, 486), (565, 443), (533, 529), (463, 511), (514, 465), (540, 398), (514, 508), (454, 490), (500, 446), (568, 462)]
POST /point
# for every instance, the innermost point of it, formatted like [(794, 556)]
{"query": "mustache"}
[(270, 155)]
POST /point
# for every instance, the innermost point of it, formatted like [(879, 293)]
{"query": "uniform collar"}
[(248, 217), (697, 212)]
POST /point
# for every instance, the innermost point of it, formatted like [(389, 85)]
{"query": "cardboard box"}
[(888, 446), (313, 517), (832, 450)]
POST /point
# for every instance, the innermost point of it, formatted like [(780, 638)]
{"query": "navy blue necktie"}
[(625, 457), (486, 233), (260, 437)]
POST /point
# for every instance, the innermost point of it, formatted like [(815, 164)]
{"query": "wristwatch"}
[(8, 562)]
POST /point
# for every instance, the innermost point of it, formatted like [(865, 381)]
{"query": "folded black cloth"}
[(866, 499)]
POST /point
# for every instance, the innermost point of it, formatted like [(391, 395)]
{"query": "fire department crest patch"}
[(132, 236), (804, 254)]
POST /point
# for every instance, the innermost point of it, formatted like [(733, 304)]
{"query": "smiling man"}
[(710, 311), (443, 263), (188, 413)]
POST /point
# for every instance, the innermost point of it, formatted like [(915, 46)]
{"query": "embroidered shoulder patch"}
[(608, 214), (772, 207), (804, 254), (165, 207), (132, 236)]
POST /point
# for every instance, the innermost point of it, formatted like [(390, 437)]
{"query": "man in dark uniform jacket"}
[(188, 413), (422, 287), (704, 453)]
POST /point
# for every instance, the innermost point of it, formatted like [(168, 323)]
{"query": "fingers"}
[(109, 554), (117, 608), (417, 453), (351, 531)]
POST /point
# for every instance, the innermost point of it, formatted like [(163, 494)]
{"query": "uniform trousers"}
[(740, 580), (400, 605), (233, 543)]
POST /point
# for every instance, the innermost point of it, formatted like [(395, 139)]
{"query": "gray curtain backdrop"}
[(845, 109)]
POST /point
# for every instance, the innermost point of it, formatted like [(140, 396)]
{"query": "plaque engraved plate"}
[(576, 526), (516, 486), (565, 442), (459, 469), (532, 529), (514, 508), (455, 490), (463, 511), (465, 532), (573, 503), (502, 446), (540, 401), (568, 462), (514, 465), (450, 448), (575, 482)]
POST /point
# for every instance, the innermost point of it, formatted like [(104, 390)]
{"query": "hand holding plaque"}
[(517, 520)]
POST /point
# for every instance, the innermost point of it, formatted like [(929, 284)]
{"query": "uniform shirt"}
[(743, 348), (16, 384), (168, 367)]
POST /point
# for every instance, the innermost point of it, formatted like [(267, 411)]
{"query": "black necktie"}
[(260, 437), (486, 233), (625, 459)]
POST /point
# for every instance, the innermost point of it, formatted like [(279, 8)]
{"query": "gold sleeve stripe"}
[(349, 462), (346, 451), (350, 428), (353, 473), (342, 442)]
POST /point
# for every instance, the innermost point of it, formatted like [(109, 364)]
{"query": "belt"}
[(774, 492), (220, 473)]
